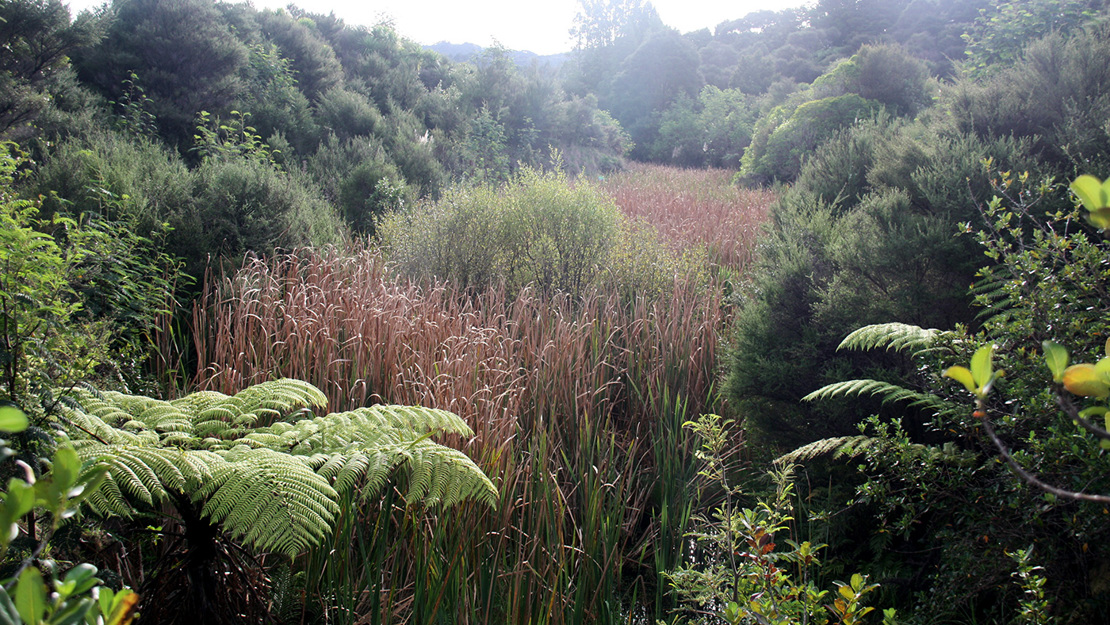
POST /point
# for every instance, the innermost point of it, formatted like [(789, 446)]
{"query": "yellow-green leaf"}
[(12, 419), (961, 375), (1100, 218), (1085, 380), (1092, 192), (981, 367)]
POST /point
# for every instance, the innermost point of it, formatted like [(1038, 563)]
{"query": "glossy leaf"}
[(1092, 192), (12, 419), (8, 614), (1085, 380), (123, 608), (981, 366), (961, 375), (30, 596), (1056, 357)]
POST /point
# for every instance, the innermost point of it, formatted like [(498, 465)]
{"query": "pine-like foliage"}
[(260, 464)]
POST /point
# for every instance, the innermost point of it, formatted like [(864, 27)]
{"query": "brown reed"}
[(691, 207), (572, 401)]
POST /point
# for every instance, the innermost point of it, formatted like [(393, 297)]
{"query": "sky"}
[(541, 26)]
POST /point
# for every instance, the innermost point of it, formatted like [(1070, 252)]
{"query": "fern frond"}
[(271, 500), (889, 392), (896, 336), (275, 487), (837, 447), (444, 476)]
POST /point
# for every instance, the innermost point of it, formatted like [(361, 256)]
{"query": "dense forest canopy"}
[(626, 287)]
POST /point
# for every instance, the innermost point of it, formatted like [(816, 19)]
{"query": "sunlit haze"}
[(541, 27)]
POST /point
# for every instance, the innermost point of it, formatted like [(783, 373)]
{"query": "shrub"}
[(139, 181), (810, 125), (536, 229), (245, 205)]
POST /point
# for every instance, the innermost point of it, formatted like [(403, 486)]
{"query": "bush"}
[(245, 205), (536, 229), (82, 173), (864, 236), (780, 158)]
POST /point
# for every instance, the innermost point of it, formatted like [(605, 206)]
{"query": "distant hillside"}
[(461, 52)]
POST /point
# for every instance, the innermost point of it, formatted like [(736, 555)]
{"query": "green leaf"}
[(123, 608), (83, 576), (73, 612), (20, 498), (1056, 357), (981, 366), (67, 466), (1100, 218), (30, 596), (1092, 192), (12, 419), (104, 598), (961, 375)]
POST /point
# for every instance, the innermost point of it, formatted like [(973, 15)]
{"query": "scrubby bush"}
[(245, 205), (864, 236), (536, 229), (81, 173), (802, 131)]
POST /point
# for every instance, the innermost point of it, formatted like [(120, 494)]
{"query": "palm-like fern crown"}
[(902, 337), (260, 464)]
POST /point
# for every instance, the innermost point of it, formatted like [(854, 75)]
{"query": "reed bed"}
[(692, 207), (577, 406)]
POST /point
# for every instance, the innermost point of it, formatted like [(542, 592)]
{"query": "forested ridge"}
[(797, 318)]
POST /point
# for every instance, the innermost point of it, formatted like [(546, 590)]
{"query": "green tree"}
[(1002, 31), (184, 50), (37, 37), (599, 23), (662, 69), (256, 468)]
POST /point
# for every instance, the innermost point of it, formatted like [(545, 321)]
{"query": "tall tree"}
[(184, 52), (36, 37), (599, 23)]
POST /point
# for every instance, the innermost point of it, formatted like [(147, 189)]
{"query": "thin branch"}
[(1029, 478), (1073, 412)]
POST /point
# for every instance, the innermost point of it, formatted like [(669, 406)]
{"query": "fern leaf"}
[(896, 336), (889, 392), (269, 499), (837, 447)]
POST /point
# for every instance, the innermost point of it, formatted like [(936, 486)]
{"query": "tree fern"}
[(896, 336), (259, 464), (837, 447), (889, 393)]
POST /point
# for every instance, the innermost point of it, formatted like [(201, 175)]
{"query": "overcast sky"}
[(541, 26)]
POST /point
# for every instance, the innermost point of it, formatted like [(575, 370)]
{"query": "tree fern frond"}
[(269, 499), (444, 476), (274, 487), (417, 418), (837, 447), (108, 500), (889, 392), (896, 336)]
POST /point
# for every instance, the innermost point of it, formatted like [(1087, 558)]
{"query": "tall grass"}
[(577, 406), (691, 207)]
